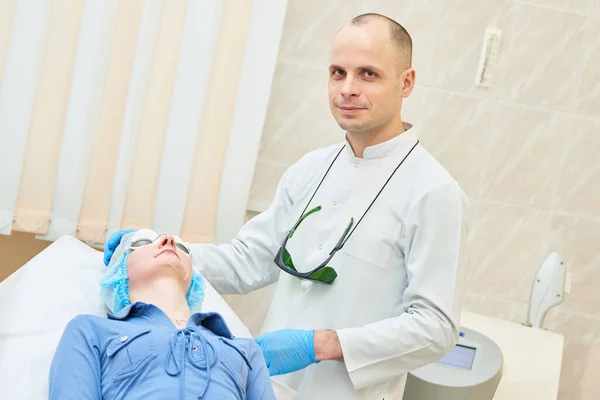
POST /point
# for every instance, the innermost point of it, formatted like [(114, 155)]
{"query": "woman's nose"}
[(166, 241)]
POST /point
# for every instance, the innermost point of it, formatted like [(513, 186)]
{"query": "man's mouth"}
[(349, 109)]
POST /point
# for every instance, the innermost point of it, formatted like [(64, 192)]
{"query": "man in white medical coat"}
[(369, 284)]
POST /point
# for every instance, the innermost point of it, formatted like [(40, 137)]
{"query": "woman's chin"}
[(177, 267)]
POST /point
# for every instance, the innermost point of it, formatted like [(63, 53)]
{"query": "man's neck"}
[(167, 295), (359, 141)]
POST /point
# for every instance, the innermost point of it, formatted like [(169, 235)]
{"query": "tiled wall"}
[(526, 150)]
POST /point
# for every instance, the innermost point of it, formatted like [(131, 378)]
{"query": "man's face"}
[(367, 80), (160, 260)]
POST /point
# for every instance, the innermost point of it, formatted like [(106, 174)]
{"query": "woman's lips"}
[(168, 251)]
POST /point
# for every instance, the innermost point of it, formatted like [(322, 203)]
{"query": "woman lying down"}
[(152, 346)]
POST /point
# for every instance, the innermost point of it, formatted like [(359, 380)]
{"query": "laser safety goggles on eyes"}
[(323, 273), (147, 237)]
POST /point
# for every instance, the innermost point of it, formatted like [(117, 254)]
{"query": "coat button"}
[(194, 348), (124, 338), (334, 203), (320, 247)]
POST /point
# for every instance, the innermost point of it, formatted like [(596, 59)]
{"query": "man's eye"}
[(338, 72), (370, 74)]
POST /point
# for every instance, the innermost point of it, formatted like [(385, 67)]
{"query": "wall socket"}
[(488, 58)]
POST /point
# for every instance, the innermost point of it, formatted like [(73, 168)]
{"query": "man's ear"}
[(408, 82)]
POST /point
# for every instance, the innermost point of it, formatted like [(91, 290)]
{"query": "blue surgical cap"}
[(115, 284)]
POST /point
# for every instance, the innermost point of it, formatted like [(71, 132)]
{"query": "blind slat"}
[(17, 98), (83, 110), (203, 193), (96, 200), (189, 94), (258, 68), (7, 15), (34, 201), (139, 203), (142, 65)]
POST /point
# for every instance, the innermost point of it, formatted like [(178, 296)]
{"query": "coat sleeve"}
[(434, 242), (75, 368), (246, 263)]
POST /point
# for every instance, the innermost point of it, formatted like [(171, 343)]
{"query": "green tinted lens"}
[(287, 260), (325, 275)]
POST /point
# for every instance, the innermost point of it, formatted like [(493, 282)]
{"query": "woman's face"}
[(162, 259)]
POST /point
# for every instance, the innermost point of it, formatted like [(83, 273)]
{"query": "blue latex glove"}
[(112, 243), (287, 350)]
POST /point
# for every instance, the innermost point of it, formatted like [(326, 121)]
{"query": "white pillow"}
[(37, 302)]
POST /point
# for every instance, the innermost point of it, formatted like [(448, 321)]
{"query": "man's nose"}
[(349, 88)]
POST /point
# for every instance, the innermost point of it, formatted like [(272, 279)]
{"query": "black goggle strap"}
[(342, 241)]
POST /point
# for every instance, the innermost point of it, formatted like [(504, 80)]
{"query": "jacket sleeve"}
[(434, 242), (246, 263), (259, 386), (75, 368)]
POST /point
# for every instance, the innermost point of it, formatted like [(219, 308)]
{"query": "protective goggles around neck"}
[(323, 273), (147, 237)]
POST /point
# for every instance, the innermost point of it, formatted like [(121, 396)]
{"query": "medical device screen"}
[(460, 356)]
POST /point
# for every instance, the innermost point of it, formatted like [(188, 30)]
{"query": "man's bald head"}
[(398, 35), (369, 75)]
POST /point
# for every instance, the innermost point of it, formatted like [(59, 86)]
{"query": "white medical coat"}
[(396, 301)]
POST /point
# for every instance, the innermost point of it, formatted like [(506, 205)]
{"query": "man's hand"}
[(290, 350), (287, 350), (112, 243)]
